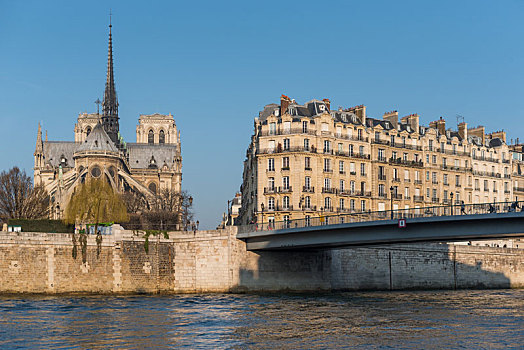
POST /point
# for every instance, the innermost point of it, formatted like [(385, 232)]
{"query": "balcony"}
[(407, 198), (328, 171), (285, 168), (310, 208), (382, 195), (352, 173), (308, 189), (434, 200), (382, 177), (361, 156), (382, 159), (518, 189), (418, 198), (269, 190), (486, 159), (411, 163), (507, 191), (396, 196), (434, 182), (380, 142), (396, 179), (507, 176), (307, 168), (418, 182), (407, 180), (506, 161), (283, 189), (331, 190)]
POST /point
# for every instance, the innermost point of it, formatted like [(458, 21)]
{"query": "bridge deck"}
[(426, 229)]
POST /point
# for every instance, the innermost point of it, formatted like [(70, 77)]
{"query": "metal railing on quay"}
[(323, 219)]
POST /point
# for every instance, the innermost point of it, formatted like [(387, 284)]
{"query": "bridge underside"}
[(432, 229)]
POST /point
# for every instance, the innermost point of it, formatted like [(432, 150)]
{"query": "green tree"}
[(95, 201), (19, 199)]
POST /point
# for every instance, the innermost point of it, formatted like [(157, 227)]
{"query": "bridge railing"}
[(320, 219)]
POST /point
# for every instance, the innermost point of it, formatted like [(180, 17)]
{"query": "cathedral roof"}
[(98, 140), (140, 154)]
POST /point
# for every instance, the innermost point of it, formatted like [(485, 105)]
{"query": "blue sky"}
[(214, 65)]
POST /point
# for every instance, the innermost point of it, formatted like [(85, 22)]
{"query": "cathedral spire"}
[(39, 144), (110, 103)]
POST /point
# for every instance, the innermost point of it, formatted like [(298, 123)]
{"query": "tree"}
[(95, 201), (19, 199)]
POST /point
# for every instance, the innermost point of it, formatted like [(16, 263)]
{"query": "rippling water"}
[(440, 319)]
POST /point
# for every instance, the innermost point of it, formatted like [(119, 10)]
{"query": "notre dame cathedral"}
[(153, 163)]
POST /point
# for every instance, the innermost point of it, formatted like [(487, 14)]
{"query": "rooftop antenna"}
[(459, 118)]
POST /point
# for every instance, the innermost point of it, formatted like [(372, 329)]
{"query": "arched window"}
[(88, 130), (161, 137), (150, 137), (152, 187)]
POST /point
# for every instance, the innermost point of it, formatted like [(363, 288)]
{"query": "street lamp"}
[(262, 224), (451, 195), (391, 189)]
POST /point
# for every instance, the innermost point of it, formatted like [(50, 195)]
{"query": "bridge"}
[(428, 224)]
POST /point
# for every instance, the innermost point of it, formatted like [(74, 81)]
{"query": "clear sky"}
[(215, 64)]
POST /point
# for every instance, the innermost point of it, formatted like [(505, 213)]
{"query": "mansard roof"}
[(98, 140)]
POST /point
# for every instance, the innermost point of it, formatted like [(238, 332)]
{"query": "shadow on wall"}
[(388, 267)]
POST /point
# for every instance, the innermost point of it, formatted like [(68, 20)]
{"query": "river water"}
[(487, 319)]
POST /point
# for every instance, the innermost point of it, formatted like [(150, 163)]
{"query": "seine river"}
[(492, 319)]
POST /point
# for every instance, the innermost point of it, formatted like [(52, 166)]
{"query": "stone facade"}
[(215, 261), (308, 160)]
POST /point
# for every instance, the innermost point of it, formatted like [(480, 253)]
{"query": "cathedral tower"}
[(110, 103)]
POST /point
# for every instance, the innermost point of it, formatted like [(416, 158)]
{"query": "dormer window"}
[(152, 162)]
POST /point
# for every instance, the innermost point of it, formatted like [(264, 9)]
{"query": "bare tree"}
[(19, 199)]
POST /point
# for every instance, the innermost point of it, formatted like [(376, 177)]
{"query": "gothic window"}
[(88, 130), (161, 137), (150, 137)]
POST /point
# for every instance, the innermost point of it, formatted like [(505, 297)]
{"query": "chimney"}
[(411, 120), (360, 111), (284, 104), (499, 134), (391, 117), (463, 130), (328, 104), (479, 132), (441, 126)]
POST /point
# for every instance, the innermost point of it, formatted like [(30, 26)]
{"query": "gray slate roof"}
[(98, 140), (54, 150), (140, 154)]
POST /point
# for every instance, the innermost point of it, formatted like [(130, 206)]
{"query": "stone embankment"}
[(215, 261)]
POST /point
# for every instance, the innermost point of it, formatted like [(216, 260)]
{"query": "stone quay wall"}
[(215, 261)]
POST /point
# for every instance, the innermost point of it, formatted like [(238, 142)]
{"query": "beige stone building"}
[(152, 163), (308, 160)]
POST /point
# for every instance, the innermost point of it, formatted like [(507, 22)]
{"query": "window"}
[(285, 182), (304, 127), (457, 180), (381, 154), (306, 144), (161, 137), (392, 140), (442, 147), (394, 155), (444, 162), (395, 174), (363, 205), (341, 204), (381, 190), (486, 185), (434, 177), (362, 169), (434, 193), (427, 192), (325, 127), (96, 172), (352, 204), (454, 149), (339, 131), (406, 174), (287, 127), (427, 158), (286, 144), (286, 221), (431, 145), (352, 168), (272, 128), (477, 186), (427, 175), (350, 150), (271, 164), (405, 157), (285, 203), (494, 186), (359, 134), (307, 163), (307, 183), (271, 203), (88, 130), (434, 158), (327, 146), (307, 202), (150, 137), (285, 163), (352, 186), (377, 136), (327, 182), (341, 167), (327, 203), (152, 187), (342, 183), (327, 165), (361, 150), (445, 194), (445, 179), (340, 148), (271, 183), (406, 192), (417, 175)]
